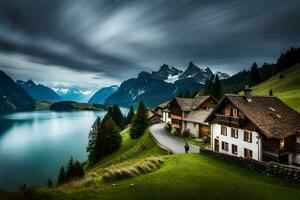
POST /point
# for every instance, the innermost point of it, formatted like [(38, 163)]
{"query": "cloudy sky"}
[(94, 43)]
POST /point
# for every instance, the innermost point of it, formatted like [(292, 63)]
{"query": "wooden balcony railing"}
[(230, 120), (176, 117)]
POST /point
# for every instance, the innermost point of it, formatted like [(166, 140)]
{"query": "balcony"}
[(176, 117), (230, 120)]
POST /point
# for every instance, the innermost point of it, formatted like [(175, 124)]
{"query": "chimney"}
[(247, 92)]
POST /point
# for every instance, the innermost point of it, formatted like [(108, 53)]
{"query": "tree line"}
[(256, 74), (104, 136), (104, 139)]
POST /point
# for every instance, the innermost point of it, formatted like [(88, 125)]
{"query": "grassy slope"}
[(190, 176), (286, 88), (187, 177)]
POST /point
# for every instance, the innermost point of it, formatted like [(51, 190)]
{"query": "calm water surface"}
[(33, 145)]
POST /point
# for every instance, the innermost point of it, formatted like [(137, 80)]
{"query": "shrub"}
[(186, 133), (206, 139), (146, 166), (168, 128), (176, 132)]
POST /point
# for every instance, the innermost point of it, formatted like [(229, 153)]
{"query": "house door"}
[(217, 145)]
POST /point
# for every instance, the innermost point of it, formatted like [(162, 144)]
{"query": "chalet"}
[(259, 127), (190, 113), (164, 112), (153, 117)]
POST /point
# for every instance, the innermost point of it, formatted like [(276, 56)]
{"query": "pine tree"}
[(111, 138), (254, 75), (49, 182), (130, 115), (217, 89), (117, 116), (140, 122), (78, 170), (92, 149), (61, 176), (69, 172), (209, 86)]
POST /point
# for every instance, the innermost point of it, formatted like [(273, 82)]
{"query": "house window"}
[(234, 149), (227, 111), (194, 124), (247, 136), (234, 132), (224, 146), (282, 144), (235, 112), (223, 130), (247, 153)]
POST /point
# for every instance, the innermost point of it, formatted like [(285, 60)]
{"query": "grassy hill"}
[(182, 176), (285, 85)]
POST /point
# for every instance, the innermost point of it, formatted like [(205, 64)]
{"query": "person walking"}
[(186, 147)]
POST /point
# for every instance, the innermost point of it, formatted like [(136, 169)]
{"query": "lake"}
[(34, 145)]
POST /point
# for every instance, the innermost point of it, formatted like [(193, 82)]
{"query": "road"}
[(169, 141)]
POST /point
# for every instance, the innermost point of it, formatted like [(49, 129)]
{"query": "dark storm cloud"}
[(116, 39)]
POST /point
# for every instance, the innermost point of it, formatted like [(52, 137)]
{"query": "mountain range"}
[(13, 97), (159, 86), (100, 96), (74, 94), (38, 92)]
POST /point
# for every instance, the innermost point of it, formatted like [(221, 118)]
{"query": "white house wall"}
[(255, 145), (165, 117), (194, 129)]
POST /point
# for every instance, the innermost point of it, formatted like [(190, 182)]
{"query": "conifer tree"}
[(69, 172), (254, 75), (111, 138), (117, 116), (140, 122), (61, 176), (217, 89), (77, 170), (92, 149), (49, 182), (130, 115)]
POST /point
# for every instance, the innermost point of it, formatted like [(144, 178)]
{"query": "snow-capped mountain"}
[(222, 76), (166, 73), (200, 75), (74, 94)]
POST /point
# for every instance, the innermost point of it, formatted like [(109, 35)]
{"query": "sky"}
[(97, 43)]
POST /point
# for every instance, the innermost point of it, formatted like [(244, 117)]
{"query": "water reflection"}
[(34, 145)]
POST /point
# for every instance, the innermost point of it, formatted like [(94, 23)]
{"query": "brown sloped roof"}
[(165, 104), (185, 103), (198, 101), (198, 116), (188, 104), (271, 116), (151, 113)]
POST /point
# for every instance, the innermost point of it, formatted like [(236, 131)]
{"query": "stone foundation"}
[(286, 172)]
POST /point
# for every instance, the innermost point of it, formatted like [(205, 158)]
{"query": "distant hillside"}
[(38, 92), (285, 85), (101, 95), (257, 75), (72, 105), (13, 97)]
